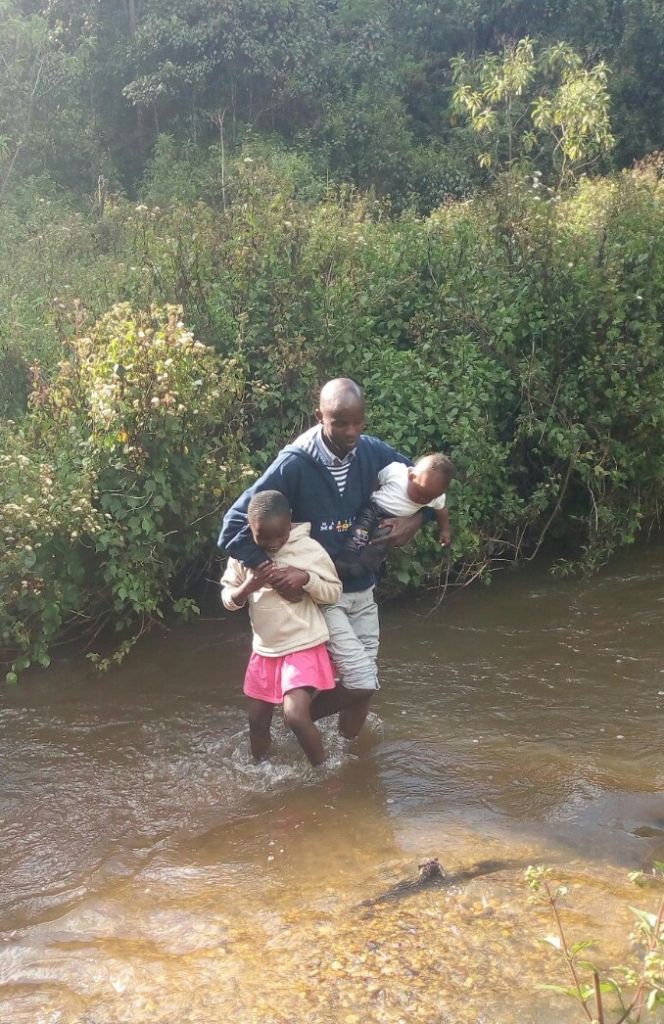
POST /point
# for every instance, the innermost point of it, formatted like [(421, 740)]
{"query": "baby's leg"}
[(366, 521), (260, 718), (297, 716), (348, 561)]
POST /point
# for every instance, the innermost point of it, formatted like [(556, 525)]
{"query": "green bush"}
[(519, 331), (112, 484)]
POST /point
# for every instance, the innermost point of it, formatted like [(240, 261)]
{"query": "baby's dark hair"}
[(268, 505), (438, 462)]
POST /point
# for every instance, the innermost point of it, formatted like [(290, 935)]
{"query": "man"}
[(327, 474)]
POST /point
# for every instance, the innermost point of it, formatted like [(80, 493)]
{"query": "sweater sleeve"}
[(324, 585), (234, 575), (385, 454), (235, 537)]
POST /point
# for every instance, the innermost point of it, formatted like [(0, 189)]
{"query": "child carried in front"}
[(400, 491), (289, 664)]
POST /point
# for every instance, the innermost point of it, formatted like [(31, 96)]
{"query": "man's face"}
[(343, 422)]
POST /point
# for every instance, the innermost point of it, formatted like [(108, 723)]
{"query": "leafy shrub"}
[(520, 331), (112, 485)]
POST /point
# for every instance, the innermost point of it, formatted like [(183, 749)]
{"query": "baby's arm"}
[(443, 520)]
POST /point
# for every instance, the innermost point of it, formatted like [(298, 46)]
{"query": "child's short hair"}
[(268, 505), (438, 462)]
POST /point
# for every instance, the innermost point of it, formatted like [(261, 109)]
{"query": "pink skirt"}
[(269, 679)]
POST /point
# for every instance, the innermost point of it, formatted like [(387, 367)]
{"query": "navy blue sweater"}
[(314, 498)]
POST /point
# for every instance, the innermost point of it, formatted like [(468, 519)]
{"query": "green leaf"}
[(650, 920), (578, 946), (609, 986), (563, 990)]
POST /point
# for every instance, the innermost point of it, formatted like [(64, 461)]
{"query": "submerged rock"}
[(432, 875)]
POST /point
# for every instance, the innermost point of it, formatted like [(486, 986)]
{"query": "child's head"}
[(430, 477), (269, 518)]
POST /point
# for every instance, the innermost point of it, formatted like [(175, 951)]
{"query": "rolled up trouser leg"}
[(354, 637)]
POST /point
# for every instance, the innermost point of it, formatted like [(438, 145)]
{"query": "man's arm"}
[(402, 529), (386, 454), (235, 536), (237, 540)]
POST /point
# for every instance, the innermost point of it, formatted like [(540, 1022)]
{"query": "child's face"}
[(272, 533), (425, 485)]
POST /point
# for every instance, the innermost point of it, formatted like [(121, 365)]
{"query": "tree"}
[(46, 118), (545, 110), (199, 61)]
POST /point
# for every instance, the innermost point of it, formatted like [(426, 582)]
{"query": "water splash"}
[(286, 767)]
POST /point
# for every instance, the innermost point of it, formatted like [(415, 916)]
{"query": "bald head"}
[(341, 413), (340, 391)]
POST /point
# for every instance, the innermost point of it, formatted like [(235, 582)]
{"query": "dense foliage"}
[(400, 192), (365, 87), (520, 331), (111, 480)]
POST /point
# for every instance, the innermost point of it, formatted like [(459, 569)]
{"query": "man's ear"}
[(411, 472), (319, 416)]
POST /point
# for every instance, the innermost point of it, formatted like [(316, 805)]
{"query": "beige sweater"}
[(284, 627)]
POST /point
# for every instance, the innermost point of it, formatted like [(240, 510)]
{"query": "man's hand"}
[(445, 538), (288, 581), (402, 529)]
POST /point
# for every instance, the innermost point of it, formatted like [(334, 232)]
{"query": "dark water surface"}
[(152, 875)]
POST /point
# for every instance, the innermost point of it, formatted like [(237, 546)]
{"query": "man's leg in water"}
[(353, 646)]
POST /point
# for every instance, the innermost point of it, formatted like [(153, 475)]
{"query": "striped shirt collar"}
[(312, 442), (327, 456)]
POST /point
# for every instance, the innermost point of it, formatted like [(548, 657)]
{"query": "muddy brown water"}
[(152, 875)]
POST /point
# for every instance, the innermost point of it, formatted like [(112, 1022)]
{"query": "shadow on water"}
[(152, 873)]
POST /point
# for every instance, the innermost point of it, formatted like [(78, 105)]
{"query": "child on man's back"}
[(289, 663), (401, 491)]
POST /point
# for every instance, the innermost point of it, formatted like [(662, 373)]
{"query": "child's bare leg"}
[(297, 716), (260, 718)]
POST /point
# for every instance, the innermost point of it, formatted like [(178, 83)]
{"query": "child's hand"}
[(258, 577), (445, 538)]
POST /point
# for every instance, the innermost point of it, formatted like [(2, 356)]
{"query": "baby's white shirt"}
[(392, 494)]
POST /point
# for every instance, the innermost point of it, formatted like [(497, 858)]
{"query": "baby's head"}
[(430, 477), (269, 518)]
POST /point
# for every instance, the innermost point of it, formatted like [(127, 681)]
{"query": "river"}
[(152, 875)]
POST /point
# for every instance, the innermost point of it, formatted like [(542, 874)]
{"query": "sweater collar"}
[(311, 441)]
